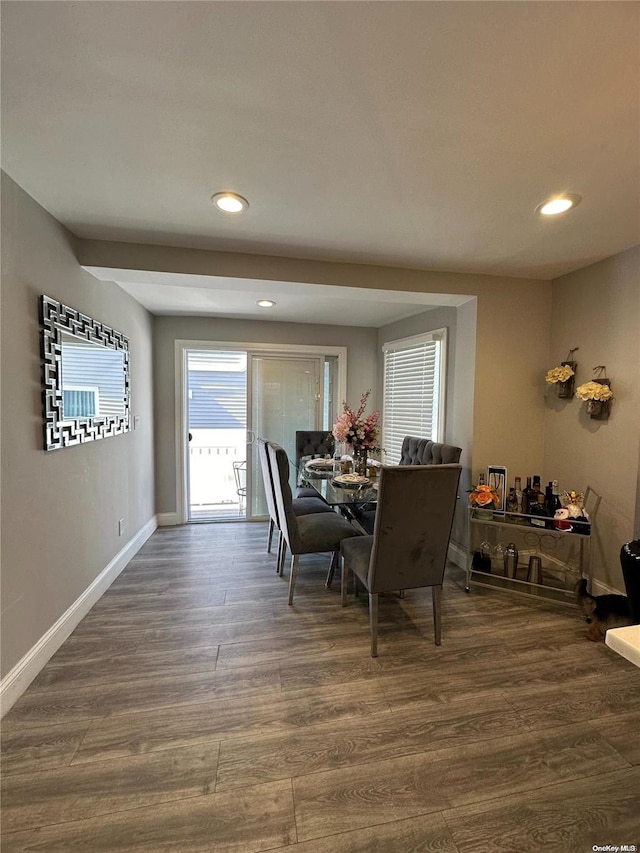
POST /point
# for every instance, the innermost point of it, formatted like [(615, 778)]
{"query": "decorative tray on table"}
[(353, 480), (319, 464)]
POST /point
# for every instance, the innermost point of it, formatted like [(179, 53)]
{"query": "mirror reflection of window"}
[(92, 379)]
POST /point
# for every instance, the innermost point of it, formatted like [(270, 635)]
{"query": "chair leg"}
[(283, 554), (373, 623), (270, 537), (332, 570), (344, 582), (436, 591), (292, 576)]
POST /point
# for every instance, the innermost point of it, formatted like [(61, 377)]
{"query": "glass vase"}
[(360, 460), (598, 410)]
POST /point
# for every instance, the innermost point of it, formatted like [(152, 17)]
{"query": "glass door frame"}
[(181, 402)]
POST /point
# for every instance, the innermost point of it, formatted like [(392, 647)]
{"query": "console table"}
[(565, 555)]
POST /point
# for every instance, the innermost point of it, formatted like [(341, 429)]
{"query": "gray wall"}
[(60, 510), (598, 310), (361, 371)]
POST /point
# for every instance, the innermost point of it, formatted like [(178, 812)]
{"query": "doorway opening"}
[(229, 397), (216, 386)]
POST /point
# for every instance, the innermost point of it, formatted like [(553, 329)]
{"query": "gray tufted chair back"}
[(440, 454), (314, 443), (412, 450)]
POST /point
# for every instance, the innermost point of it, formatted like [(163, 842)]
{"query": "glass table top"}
[(333, 493)]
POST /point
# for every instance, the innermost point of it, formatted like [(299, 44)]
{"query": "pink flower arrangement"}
[(356, 430)]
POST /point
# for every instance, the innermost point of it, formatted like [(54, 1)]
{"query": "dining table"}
[(339, 490)]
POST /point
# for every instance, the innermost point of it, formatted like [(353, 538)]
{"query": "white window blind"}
[(413, 400)]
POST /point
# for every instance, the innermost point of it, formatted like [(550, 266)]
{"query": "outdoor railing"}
[(215, 450)]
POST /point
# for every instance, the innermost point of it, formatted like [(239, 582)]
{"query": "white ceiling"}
[(416, 134)]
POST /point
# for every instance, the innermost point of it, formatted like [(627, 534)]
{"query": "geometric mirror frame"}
[(85, 377)]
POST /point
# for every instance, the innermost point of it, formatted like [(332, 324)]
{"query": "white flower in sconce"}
[(559, 374), (594, 391)]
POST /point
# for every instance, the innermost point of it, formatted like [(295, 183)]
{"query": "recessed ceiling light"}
[(229, 202), (266, 303), (558, 204)]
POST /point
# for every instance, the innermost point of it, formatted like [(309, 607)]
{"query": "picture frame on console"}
[(497, 480)]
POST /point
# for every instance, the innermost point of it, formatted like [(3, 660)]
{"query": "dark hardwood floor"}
[(193, 710)]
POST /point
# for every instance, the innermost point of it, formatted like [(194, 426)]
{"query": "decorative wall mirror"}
[(85, 377)]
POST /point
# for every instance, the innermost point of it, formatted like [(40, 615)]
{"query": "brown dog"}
[(602, 611)]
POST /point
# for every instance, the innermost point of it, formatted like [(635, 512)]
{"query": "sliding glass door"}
[(216, 407), (287, 394), (230, 398)]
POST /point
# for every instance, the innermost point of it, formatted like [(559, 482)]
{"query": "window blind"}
[(413, 391)]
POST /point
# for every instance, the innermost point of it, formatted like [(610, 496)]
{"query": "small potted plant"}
[(485, 500)]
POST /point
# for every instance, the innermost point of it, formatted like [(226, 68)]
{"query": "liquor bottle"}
[(548, 495), (540, 511), (526, 496), (512, 501), (519, 494), (536, 486), (535, 491), (553, 500)]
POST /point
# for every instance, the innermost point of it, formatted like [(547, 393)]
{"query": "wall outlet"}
[(120, 526)]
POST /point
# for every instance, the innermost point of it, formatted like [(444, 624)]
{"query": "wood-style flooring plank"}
[(223, 719), (583, 697), (603, 809), (372, 738), (622, 731), (68, 794), (349, 798), (42, 748), (37, 709), (133, 667), (247, 821), (424, 834), (201, 617), (144, 604)]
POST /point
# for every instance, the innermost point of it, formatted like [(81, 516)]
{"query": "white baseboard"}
[(457, 555), (16, 681), (167, 519), (599, 588)]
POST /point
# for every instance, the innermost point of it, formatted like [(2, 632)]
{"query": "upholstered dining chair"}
[(408, 548), (314, 533), (317, 442), (301, 506), (414, 451)]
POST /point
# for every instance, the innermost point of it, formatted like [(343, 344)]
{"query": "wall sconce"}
[(563, 377), (597, 394)]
